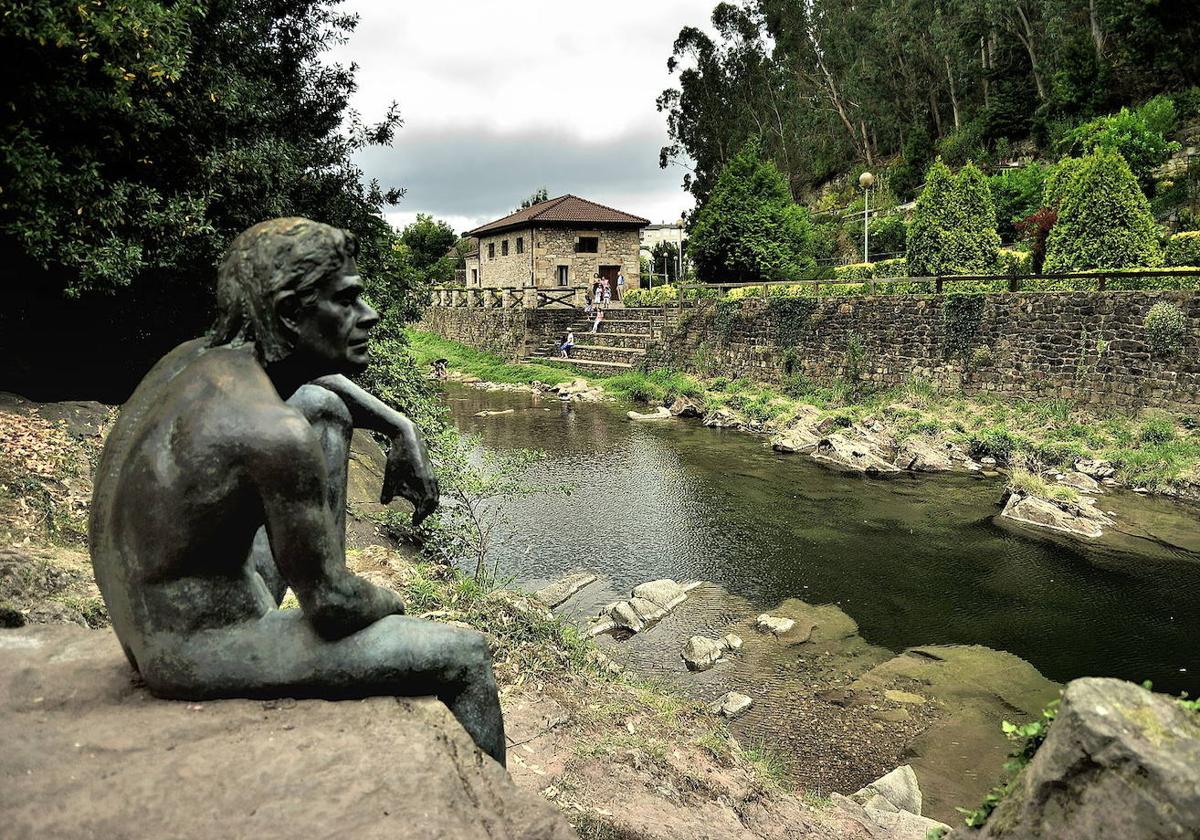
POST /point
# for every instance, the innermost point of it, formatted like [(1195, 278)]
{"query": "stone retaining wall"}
[(509, 333), (1089, 347)]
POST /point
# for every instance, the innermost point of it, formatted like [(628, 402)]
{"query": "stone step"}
[(623, 327), (607, 354), (608, 339), (582, 362)]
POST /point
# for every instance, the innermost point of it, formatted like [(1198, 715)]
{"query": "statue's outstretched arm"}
[(409, 473), (289, 469)]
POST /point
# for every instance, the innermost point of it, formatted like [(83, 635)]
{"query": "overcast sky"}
[(499, 99)]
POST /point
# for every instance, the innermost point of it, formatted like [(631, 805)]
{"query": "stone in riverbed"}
[(1119, 763), (659, 413), (795, 439), (686, 407), (1095, 468), (777, 625), (701, 653), (899, 787), (892, 803), (922, 454), (650, 601), (730, 704), (1082, 482), (905, 697), (1079, 519), (855, 455), (556, 593), (720, 418)]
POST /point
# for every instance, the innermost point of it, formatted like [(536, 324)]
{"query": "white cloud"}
[(500, 99)]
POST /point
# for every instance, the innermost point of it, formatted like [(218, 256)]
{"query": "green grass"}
[(656, 387), (426, 347), (1031, 484)]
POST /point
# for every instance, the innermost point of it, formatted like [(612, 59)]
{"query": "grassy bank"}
[(1155, 449)]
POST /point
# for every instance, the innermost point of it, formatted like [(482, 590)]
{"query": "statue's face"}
[(331, 334)]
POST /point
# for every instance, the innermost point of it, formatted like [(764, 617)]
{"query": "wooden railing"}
[(1013, 282), (509, 297)]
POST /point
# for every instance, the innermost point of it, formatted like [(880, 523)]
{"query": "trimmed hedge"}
[(1183, 249)]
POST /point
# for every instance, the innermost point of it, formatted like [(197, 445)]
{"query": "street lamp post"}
[(866, 180)]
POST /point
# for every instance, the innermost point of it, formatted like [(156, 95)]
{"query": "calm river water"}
[(914, 560)]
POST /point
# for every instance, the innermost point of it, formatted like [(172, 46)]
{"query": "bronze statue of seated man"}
[(223, 482)]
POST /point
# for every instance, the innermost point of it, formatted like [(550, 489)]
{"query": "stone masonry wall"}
[(1088, 347), (548, 248), (556, 246), (509, 333)]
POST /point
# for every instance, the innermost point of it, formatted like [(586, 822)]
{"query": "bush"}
[(750, 228), (995, 442), (1104, 219), (1137, 135), (1166, 327), (889, 234), (1017, 194), (1058, 180), (1183, 249), (1157, 430), (897, 267), (953, 230), (854, 271), (656, 296), (1011, 261)]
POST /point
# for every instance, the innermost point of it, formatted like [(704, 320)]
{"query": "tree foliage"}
[(1138, 134), (140, 137), (953, 230), (830, 84), (749, 228), (1104, 220)]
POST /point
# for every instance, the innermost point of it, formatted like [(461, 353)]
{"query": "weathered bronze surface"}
[(223, 482)]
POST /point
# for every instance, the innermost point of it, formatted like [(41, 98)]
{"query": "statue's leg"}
[(330, 419), (280, 655)]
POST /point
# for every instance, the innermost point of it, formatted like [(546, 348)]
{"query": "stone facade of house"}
[(537, 256)]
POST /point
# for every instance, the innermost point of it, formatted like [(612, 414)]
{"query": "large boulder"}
[(687, 407), (1119, 763), (796, 439), (1080, 519), (701, 653), (88, 753), (659, 413), (853, 455), (922, 454), (650, 601), (564, 588)]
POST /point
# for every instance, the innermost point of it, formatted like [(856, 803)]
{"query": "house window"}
[(491, 250), (474, 276), (520, 244), (504, 248), (587, 244), (563, 277)]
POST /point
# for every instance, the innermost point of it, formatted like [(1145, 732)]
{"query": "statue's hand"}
[(409, 474)]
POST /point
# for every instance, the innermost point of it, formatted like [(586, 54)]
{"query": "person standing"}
[(599, 318), (568, 345), (620, 285), (607, 294)]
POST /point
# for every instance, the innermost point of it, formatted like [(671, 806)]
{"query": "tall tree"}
[(750, 229), (138, 139)]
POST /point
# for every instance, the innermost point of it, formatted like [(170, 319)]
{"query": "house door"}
[(608, 273)]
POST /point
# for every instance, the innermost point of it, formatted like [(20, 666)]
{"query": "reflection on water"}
[(914, 560)]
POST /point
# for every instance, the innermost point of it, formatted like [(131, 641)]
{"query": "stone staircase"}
[(619, 344)]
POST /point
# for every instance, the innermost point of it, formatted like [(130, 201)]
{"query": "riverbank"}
[(620, 754), (1153, 452)]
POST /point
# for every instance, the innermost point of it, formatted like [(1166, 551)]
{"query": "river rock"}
[(775, 624), (1095, 468), (721, 418), (1082, 482), (701, 653), (659, 413), (89, 753), (687, 407), (899, 787), (923, 454), (494, 413), (796, 439), (650, 601), (732, 642), (880, 818), (556, 593), (1076, 518), (1119, 763), (730, 704), (854, 455)]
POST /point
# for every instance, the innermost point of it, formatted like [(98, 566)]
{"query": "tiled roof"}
[(565, 208)]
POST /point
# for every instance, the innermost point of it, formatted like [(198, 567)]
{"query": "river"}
[(914, 560)]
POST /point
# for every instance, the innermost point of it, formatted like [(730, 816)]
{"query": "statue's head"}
[(291, 287)]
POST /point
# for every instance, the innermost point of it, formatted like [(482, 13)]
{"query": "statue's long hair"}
[(265, 262)]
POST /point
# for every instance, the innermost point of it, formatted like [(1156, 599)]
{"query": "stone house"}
[(560, 243)]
